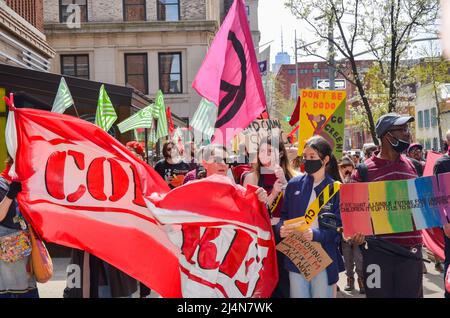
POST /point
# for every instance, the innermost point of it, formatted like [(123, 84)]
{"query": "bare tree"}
[(434, 70), (385, 27), (389, 32)]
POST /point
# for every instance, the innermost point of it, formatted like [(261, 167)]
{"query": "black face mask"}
[(400, 146), (312, 166)]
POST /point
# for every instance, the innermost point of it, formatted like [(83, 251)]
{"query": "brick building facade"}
[(146, 44), (30, 10)]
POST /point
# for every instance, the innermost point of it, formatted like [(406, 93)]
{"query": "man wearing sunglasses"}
[(399, 276)]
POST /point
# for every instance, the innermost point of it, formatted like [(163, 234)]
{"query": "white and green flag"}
[(142, 119), (205, 117), (159, 112), (105, 115), (63, 99)]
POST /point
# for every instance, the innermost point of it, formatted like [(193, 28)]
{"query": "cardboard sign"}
[(309, 257), (264, 128), (322, 113), (395, 206)]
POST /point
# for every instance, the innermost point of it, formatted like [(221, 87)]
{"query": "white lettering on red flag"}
[(225, 237), (83, 189)]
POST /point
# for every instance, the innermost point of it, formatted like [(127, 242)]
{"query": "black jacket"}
[(121, 284)]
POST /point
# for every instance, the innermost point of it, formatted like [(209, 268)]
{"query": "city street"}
[(433, 283), (171, 137)]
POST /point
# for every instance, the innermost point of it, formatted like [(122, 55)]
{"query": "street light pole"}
[(331, 68)]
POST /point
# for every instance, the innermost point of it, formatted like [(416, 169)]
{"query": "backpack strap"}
[(363, 171)]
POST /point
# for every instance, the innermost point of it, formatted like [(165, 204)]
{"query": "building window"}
[(316, 70), (170, 77), (75, 65), (134, 10), (247, 10), (315, 79), (428, 144), (69, 4), (420, 119), (168, 10), (433, 117), (291, 72), (427, 118), (136, 71)]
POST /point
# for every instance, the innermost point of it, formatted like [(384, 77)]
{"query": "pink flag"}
[(81, 188), (432, 157), (229, 76)]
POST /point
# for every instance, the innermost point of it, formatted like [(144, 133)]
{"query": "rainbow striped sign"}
[(395, 206)]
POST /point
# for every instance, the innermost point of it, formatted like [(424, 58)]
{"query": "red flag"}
[(169, 120), (228, 249), (434, 240), (295, 117), (264, 115), (83, 189), (230, 78)]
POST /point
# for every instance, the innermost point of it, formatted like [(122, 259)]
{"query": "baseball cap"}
[(346, 161), (415, 145), (385, 122)]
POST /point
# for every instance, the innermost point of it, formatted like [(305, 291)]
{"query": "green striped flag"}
[(159, 112), (63, 99), (142, 119), (152, 137), (205, 117), (105, 116)]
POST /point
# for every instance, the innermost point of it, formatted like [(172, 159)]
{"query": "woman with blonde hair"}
[(272, 171)]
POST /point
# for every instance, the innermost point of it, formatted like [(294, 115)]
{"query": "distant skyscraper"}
[(281, 58)]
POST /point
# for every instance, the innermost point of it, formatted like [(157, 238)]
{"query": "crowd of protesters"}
[(288, 185)]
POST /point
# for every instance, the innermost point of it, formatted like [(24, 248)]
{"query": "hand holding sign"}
[(308, 235), (309, 257), (279, 173), (286, 229)]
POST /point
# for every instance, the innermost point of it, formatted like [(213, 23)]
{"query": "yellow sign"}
[(322, 113), (303, 223)]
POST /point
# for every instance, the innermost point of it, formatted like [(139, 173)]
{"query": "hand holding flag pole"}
[(10, 101)]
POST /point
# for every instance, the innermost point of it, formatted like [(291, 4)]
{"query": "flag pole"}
[(146, 144), (76, 110)]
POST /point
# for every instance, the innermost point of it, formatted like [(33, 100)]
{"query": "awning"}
[(38, 90)]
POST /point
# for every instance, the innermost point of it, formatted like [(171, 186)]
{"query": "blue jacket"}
[(297, 195)]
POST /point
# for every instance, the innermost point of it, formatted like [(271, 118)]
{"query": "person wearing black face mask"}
[(399, 277), (321, 171)]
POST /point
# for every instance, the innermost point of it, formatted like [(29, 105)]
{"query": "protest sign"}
[(322, 113), (258, 130), (395, 206), (309, 257)]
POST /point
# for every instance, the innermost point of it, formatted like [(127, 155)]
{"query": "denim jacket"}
[(297, 195)]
